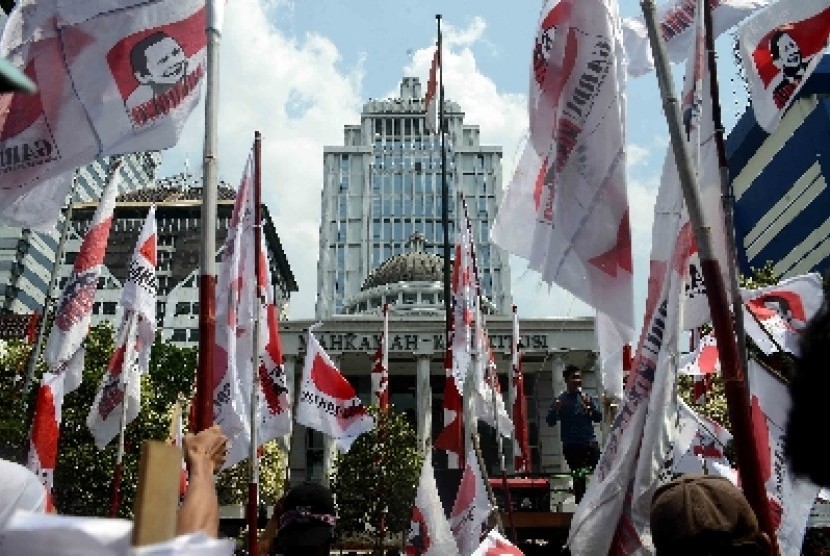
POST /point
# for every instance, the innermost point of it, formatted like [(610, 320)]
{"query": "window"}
[(182, 308), (70, 258), (179, 335), (194, 335), (109, 307)]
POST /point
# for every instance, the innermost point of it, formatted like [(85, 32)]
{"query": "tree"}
[(374, 483)]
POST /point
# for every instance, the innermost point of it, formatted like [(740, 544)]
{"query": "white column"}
[(510, 445), (558, 379), (423, 393)]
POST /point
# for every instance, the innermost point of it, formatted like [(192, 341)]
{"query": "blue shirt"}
[(577, 424)]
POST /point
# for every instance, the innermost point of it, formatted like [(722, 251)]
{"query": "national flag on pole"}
[(112, 79), (699, 440), (380, 366), (131, 359), (64, 348), (430, 102), (429, 530), (496, 545), (488, 403), (675, 20), (780, 48), (327, 402), (43, 436), (471, 508), (566, 208), (774, 316), (705, 360), (791, 498), (176, 438), (465, 295), (518, 403), (451, 437)]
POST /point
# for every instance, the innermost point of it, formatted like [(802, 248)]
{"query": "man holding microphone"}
[(577, 411)]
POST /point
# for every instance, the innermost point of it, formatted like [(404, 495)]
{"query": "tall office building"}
[(384, 185), (27, 257)]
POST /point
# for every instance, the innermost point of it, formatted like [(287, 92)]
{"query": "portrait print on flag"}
[(148, 68)]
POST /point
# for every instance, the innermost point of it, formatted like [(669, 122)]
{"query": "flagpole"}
[(737, 395), (129, 356), (253, 484), (445, 196), (203, 407)]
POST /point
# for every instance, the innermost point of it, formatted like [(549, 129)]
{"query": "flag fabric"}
[(780, 48), (705, 360), (380, 366), (790, 498), (465, 300), (774, 316), (327, 402), (612, 339), (176, 438), (566, 208), (675, 20), (494, 544), (131, 359), (699, 441), (488, 403), (518, 404), (470, 509), (430, 101), (451, 437), (64, 348), (112, 79), (429, 530), (43, 436)]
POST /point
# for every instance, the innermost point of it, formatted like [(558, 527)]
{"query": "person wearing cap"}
[(20, 489), (577, 411), (704, 515), (302, 522)]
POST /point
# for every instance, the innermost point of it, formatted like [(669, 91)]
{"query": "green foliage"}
[(83, 477), (232, 483), (377, 478)]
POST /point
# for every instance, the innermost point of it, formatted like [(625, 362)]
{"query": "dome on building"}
[(415, 266)]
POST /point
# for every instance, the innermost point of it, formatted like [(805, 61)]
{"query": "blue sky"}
[(298, 71)]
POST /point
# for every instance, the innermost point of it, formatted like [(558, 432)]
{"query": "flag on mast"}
[(471, 507), (465, 296), (122, 382), (518, 403), (380, 366), (430, 102), (451, 437), (43, 436), (429, 530)]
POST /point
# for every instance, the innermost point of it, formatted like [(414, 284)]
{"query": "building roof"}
[(415, 266), (170, 194)]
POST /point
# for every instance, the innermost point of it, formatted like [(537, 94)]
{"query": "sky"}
[(298, 71)]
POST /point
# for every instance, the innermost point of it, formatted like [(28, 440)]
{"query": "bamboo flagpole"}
[(737, 394), (253, 478), (203, 406)]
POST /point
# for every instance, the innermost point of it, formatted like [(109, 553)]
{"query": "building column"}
[(558, 380), (511, 393), (423, 393), (297, 455)]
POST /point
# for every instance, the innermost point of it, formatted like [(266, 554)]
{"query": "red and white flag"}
[(112, 79), (64, 348), (675, 20), (176, 438), (380, 366), (496, 545), (705, 360), (488, 403), (518, 403), (699, 439), (429, 530), (775, 316), (430, 102), (566, 209), (465, 298), (780, 48), (451, 437), (131, 359), (43, 436), (791, 498), (327, 402), (471, 508)]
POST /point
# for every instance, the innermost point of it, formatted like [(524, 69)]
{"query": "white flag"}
[(705, 360), (780, 48), (327, 402), (64, 351), (429, 530), (471, 508), (488, 402), (566, 209), (699, 439), (496, 545), (122, 381), (774, 316), (676, 23), (790, 498)]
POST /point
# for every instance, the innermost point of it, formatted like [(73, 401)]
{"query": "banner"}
[(429, 530), (471, 508)]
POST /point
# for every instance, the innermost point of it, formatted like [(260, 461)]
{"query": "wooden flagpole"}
[(203, 406), (253, 480), (737, 393)]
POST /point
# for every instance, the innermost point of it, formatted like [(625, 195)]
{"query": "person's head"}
[(786, 53), (704, 515), (573, 378), (158, 59), (809, 382), (307, 521)]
